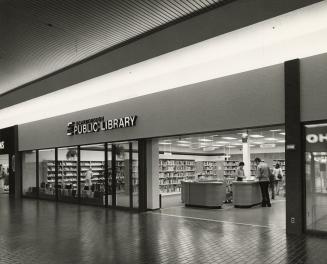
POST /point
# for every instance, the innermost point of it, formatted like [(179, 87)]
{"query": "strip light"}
[(297, 34)]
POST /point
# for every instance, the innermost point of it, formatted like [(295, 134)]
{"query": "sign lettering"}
[(99, 124)]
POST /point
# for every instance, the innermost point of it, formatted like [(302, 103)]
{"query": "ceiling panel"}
[(39, 37)]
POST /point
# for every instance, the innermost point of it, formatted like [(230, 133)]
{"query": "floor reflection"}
[(48, 232)]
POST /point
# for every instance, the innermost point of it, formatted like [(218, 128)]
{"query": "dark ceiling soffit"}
[(122, 44)]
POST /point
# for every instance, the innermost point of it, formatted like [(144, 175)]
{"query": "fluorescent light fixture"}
[(267, 145), (222, 142), (281, 141), (183, 145), (257, 142), (256, 136), (217, 145), (275, 130), (208, 149), (297, 34), (271, 139), (237, 144), (164, 143), (205, 140), (184, 141), (229, 138), (230, 146), (282, 133), (316, 125)]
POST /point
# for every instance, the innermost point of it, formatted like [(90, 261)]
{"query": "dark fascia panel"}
[(227, 18)]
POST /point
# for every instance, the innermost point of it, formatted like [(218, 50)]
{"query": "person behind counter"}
[(240, 172), (262, 174)]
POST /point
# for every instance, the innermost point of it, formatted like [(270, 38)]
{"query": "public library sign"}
[(99, 124)]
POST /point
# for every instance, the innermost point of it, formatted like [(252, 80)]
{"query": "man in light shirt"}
[(262, 174)]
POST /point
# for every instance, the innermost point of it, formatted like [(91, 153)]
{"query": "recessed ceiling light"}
[(209, 149), (271, 139), (275, 130), (183, 145), (205, 140), (282, 133), (256, 136), (165, 143), (183, 141), (229, 138)]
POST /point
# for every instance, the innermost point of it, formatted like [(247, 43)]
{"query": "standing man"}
[(262, 174)]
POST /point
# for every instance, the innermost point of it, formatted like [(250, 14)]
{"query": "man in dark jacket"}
[(262, 174)]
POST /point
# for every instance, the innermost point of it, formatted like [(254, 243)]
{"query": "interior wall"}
[(225, 103), (313, 78)]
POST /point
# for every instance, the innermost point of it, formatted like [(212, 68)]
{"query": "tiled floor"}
[(274, 216), (47, 232)]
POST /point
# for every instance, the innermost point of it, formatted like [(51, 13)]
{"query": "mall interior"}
[(174, 125)]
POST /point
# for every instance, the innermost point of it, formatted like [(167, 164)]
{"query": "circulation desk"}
[(246, 193), (203, 193)]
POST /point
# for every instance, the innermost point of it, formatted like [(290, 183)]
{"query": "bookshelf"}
[(172, 172), (67, 173), (230, 167), (207, 169)]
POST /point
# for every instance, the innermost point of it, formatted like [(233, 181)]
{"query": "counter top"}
[(245, 182)]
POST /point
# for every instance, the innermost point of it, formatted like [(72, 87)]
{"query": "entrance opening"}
[(215, 176), (316, 177), (4, 174)]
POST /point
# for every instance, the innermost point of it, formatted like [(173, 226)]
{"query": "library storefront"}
[(104, 174), (149, 152)]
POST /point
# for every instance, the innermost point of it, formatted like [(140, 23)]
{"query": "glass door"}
[(316, 177), (123, 176), (4, 174)]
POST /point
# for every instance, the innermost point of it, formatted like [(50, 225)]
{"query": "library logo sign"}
[(2, 145), (99, 124)]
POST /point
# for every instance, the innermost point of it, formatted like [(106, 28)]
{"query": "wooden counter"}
[(203, 194), (246, 193)]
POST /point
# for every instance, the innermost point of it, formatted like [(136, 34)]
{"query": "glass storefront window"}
[(135, 174), (81, 170), (67, 174), (316, 177), (122, 174), (92, 174), (110, 186), (47, 174), (29, 173)]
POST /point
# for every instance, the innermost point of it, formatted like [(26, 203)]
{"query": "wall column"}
[(293, 151), (152, 155), (246, 157)]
